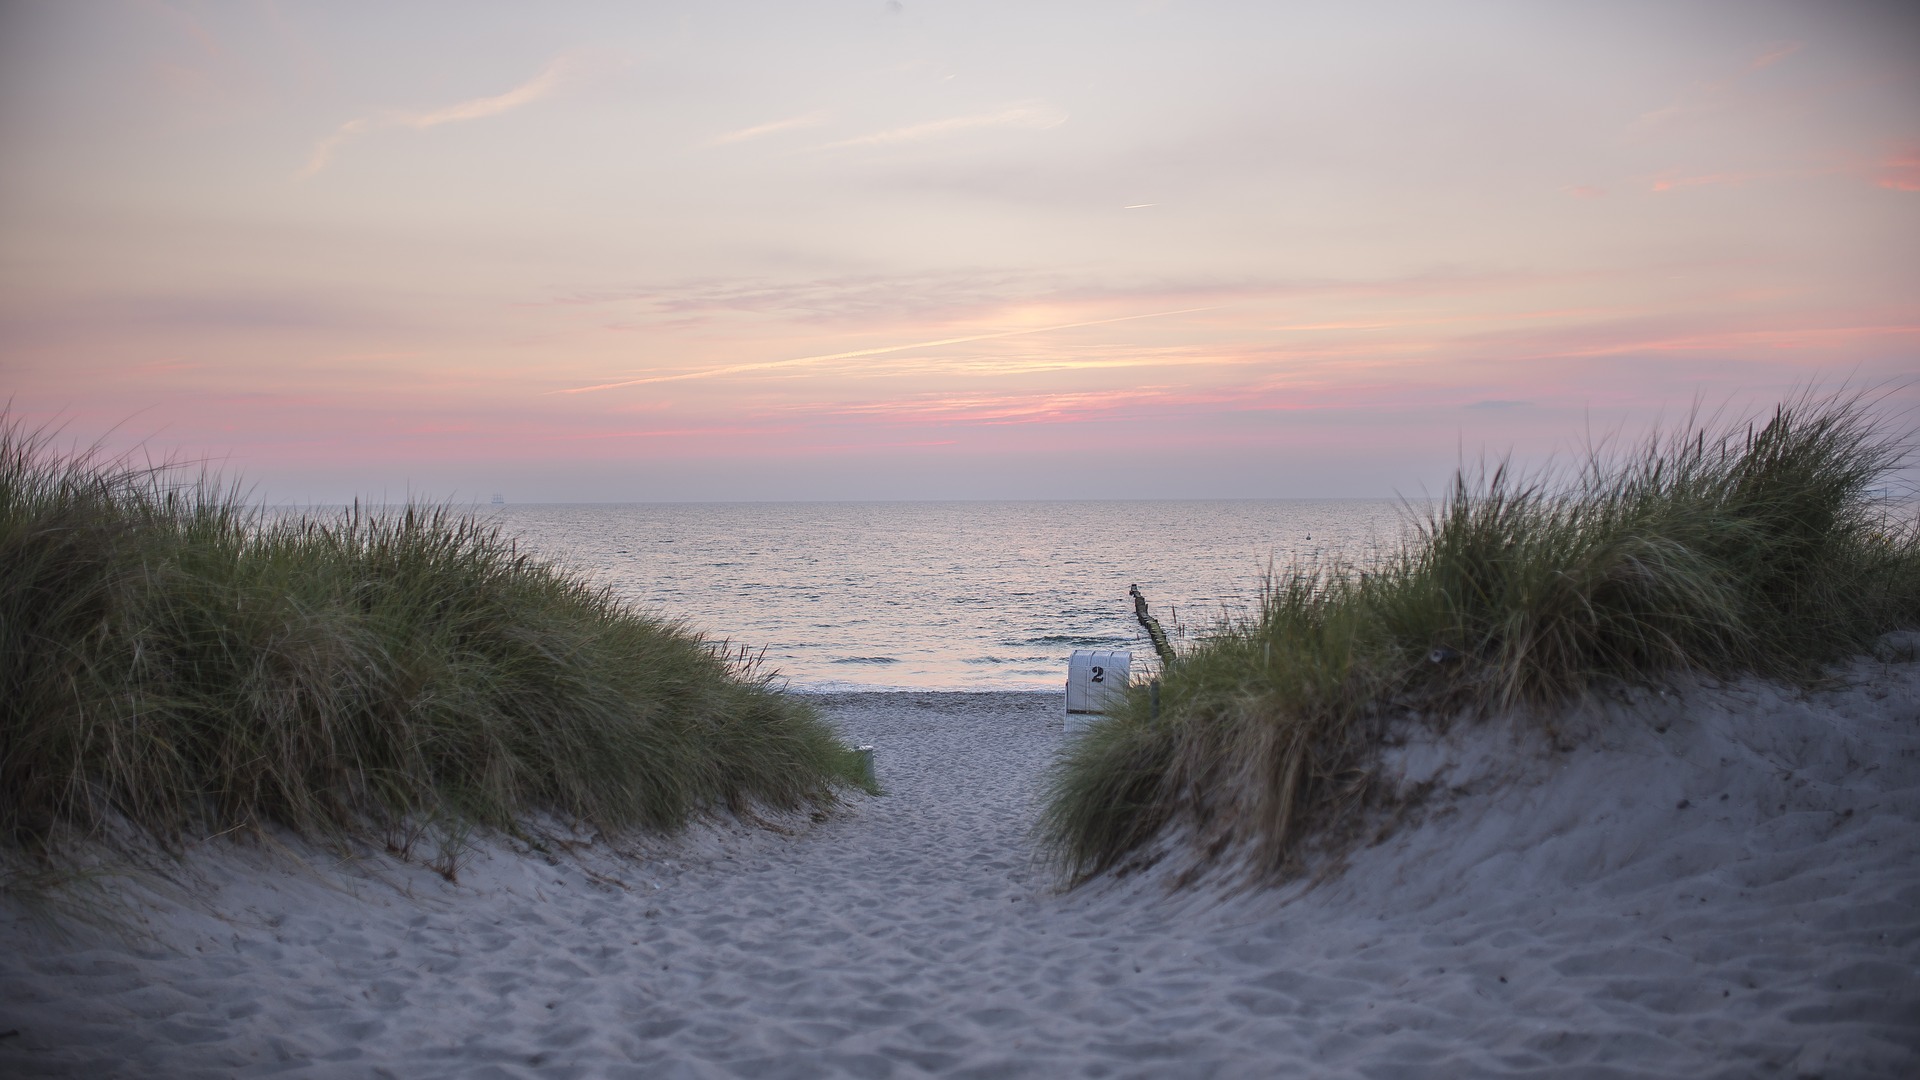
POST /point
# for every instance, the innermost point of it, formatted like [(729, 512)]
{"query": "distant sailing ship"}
[(497, 500)]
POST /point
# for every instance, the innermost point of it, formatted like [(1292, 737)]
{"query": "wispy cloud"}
[(768, 365), (1590, 342), (805, 120), (528, 92), (1032, 116), (995, 409), (1716, 94), (734, 432), (1732, 179), (1774, 55), (1901, 170)]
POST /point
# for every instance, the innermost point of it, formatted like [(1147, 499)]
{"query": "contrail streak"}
[(857, 353)]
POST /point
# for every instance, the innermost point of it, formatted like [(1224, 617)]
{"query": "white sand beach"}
[(1721, 884)]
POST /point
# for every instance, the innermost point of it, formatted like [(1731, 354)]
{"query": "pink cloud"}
[(766, 365), (1730, 179), (1901, 170)]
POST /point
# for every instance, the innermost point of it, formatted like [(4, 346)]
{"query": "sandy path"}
[(1586, 926)]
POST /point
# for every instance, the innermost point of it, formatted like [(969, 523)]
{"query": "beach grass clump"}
[(1750, 549), (174, 658)]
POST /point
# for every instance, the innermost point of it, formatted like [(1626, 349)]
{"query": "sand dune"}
[(1725, 884)]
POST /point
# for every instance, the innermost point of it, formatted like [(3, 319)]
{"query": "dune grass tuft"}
[(1749, 549), (170, 656)]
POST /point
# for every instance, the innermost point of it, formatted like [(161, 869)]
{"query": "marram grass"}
[(1748, 550), (172, 658)]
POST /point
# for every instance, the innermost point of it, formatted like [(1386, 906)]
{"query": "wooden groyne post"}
[(1152, 625)]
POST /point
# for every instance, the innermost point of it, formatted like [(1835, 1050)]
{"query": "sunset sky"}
[(940, 249)]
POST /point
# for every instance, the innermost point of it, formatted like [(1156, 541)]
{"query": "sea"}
[(945, 595)]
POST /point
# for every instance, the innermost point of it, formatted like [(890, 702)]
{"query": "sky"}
[(938, 249)]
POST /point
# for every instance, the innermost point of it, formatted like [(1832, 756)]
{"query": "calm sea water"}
[(962, 595)]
